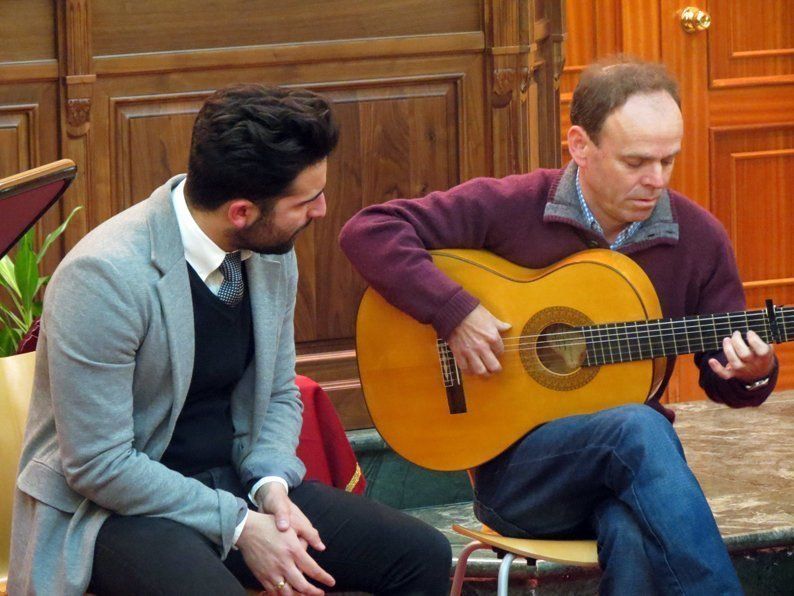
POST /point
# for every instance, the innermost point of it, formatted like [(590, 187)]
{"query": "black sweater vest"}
[(224, 347)]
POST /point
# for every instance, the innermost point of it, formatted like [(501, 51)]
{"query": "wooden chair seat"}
[(16, 384), (579, 553)]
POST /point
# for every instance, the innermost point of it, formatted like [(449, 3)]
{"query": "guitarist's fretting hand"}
[(748, 361), (476, 343)]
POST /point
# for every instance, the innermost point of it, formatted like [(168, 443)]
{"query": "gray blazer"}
[(113, 367)]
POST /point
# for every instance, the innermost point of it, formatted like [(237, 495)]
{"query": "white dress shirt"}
[(206, 257)]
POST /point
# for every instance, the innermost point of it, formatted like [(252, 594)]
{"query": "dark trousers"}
[(369, 547)]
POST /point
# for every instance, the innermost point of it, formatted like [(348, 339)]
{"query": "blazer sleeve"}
[(94, 322)]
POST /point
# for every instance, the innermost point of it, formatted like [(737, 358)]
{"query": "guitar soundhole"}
[(560, 349), (553, 352)]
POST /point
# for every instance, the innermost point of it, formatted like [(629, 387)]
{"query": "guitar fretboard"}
[(642, 340)]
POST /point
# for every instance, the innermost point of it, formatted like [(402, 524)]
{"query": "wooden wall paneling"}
[(76, 102), (19, 145), (123, 27), (404, 132), (423, 105), (399, 139), (548, 60), (593, 31), (522, 45), (504, 50), (28, 138), (27, 31), (403, 143), (149, 141), (28, 95)]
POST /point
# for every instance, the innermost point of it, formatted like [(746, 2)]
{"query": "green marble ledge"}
[(394, 481)]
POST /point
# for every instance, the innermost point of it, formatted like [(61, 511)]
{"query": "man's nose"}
[(318, 208), (655, 176)]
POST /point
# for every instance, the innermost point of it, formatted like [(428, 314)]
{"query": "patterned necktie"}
[(231, 290)]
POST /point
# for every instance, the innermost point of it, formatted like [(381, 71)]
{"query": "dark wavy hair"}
[(251, 141), (607, 84)]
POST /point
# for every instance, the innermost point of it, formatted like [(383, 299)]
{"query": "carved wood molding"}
[(327, 51), (76, 63), (503, 83), (29, 71)]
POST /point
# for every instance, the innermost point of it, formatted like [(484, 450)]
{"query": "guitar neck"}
[(642, 340)]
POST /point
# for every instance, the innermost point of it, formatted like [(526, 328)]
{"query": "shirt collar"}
[(592, 222), (200, 251)]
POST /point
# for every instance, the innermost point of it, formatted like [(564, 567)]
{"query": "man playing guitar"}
[(619, 474)]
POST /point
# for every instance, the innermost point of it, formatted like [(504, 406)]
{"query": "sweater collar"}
[(563, 207)]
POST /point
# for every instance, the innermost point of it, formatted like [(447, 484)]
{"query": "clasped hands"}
[(477, 344), (274, 544)]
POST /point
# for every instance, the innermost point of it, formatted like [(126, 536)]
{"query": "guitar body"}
[(405, 378)]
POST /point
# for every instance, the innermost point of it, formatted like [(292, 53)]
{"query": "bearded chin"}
[(276, 249), (260, 246)]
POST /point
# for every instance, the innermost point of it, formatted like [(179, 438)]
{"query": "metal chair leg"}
[(460, 568), (504, 574)]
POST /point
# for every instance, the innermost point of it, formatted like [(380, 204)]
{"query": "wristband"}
[(757, 384)]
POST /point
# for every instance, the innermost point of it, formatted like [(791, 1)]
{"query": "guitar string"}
[(673, 329), (605, 344), (666, 341)]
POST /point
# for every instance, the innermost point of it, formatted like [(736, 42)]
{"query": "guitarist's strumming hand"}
[(747, 361), (476, 343)]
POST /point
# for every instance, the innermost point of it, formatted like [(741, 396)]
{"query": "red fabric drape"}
[(323, 445)]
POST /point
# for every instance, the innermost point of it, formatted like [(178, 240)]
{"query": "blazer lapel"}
[(173, 288)]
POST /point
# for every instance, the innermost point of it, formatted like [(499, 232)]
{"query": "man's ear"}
[(579, 145), (241, 213)]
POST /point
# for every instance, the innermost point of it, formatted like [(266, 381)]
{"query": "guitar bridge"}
[(453, 380)]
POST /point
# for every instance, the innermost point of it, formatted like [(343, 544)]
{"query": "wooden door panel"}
[(27, 30), (737, 101), (149, 143), (757, 215), (396, 141), (738, 104), (18, 139), (751, 43)]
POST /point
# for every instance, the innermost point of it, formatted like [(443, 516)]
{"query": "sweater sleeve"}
[(722, 292), (388, 243)]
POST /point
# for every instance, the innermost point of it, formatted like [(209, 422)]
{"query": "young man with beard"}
[(165, 405), (620, 474)]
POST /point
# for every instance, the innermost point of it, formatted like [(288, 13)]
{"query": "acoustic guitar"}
[(587, 335)]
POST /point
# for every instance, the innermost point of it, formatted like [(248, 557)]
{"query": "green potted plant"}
[(21, 277)]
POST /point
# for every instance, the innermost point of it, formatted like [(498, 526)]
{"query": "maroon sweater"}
[(535, 220)]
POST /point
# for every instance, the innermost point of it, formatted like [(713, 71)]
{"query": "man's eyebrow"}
[(314, 198), (645, 156)]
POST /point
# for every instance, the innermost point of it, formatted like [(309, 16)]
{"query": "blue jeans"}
[(619, 475)]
